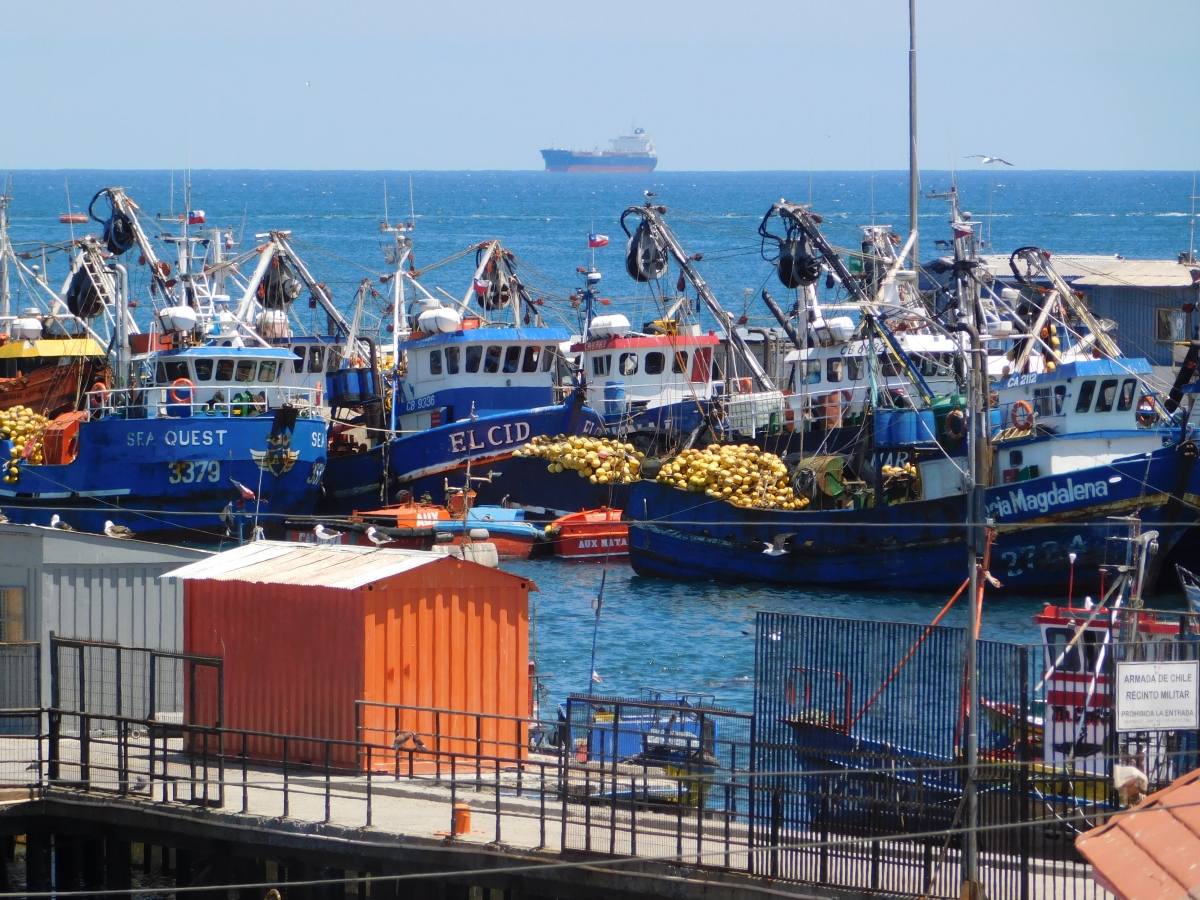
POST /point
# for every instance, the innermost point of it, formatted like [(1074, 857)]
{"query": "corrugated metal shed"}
[(90, 587), (338, 566), (307, 631), (1151, 852)]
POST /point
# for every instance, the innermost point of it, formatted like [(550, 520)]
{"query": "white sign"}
[(1158, 696)]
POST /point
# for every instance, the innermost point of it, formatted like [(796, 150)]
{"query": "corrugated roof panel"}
[(282, 562)]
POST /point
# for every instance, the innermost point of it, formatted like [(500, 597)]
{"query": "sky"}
[(719, 85)]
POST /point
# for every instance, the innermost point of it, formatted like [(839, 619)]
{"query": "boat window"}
[(169, 372), (531, 359), (812, 371), (601, 365), (1060, 398), (452, 354), (204, 369), (512, 359), (628, 363), (491, 362), (225, 369), (333, 361), (435, 362), (854, 367), (1057, 640), (679, 364), (548, 357), (245, 370), (316, 359), (298, 364), (474, 354), (1041, 401), (1108, 394), (655, 363), (833, 370), (1086, 391), (267, 371), (1128, 393), (888, 365)]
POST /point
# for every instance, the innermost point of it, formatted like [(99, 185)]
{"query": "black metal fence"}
[(137, 683)]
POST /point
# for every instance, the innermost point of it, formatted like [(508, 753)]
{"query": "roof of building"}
[(1103, 271), (1151, 852), (344, 567), (58, 545)]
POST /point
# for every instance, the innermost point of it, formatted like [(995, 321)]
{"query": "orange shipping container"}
[(307, 631)]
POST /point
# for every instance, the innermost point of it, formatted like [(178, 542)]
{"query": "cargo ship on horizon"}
[(630, 153)]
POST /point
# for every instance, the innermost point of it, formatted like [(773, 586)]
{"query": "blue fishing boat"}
[(197, 432), (461, 391)]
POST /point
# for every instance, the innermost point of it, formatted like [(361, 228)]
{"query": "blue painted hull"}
[(919, 546), (423, 463), (173, 477)]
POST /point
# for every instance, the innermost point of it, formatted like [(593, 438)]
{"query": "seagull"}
[(988, 159), (259, 533), (141, 785), (56, 522), (376, 538), (307, 84), (650, 193), (117, 531), (3, 518), (32, 766), (326, 537), (404, 737), (776, 547)]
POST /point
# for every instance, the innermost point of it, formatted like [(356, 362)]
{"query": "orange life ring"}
[(99, 388), (1022, 415), (184, 383), (956, 425), (1146, 413)]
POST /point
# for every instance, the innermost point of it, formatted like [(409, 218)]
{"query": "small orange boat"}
[(591, 534)]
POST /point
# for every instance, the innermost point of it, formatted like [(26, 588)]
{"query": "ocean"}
[(662, 635)]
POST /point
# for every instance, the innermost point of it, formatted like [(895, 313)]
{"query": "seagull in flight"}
[(988, 159), (778, 546)]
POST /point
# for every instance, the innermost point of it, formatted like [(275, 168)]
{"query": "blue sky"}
[(460, 84)]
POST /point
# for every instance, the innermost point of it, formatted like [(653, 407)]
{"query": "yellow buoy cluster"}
[(24, 428), (893, 471), (600, 460), (742, 474)]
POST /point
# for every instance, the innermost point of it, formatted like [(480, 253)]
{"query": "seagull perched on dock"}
[(376, 538), (116, 531), (776, 547), (404, 737), (988, 159), (324, 536), (3, 518), (56, 522)]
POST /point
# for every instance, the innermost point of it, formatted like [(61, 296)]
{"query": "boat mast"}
[(913, 175), (5, 302)]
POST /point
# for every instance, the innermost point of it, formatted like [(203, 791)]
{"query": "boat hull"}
[(918, 546), (424, 462), (173, 477), (570, 161)]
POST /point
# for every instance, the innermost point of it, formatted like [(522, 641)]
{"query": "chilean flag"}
[(196, 217), (597, 240), (246, 493), (481, 286), (962, 229)]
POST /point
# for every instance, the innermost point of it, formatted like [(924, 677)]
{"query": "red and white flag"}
[(962, 229), (246, 493), (597, 240), (196, 217), (482, 286)]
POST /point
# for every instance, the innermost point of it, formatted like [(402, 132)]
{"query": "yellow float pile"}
[(600, 460), (743, 475), (895, 471), (24, 428)]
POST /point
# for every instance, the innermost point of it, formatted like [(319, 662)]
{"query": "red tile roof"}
[(1152, 851)]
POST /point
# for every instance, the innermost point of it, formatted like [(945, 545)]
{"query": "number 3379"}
[(195, 471)]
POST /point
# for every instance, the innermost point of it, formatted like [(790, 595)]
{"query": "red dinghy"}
[(591, 534)]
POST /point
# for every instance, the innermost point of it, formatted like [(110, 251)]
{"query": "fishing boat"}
[(1191, 588), (193, 435), (461, 390), (506, 528), (591, 534), (1070, 439)]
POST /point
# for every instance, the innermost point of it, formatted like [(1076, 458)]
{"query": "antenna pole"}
[(913, 175)]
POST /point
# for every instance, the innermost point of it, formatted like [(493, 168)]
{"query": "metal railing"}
[(185, 402)]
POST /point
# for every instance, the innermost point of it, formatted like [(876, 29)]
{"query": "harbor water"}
[(664, 635)]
